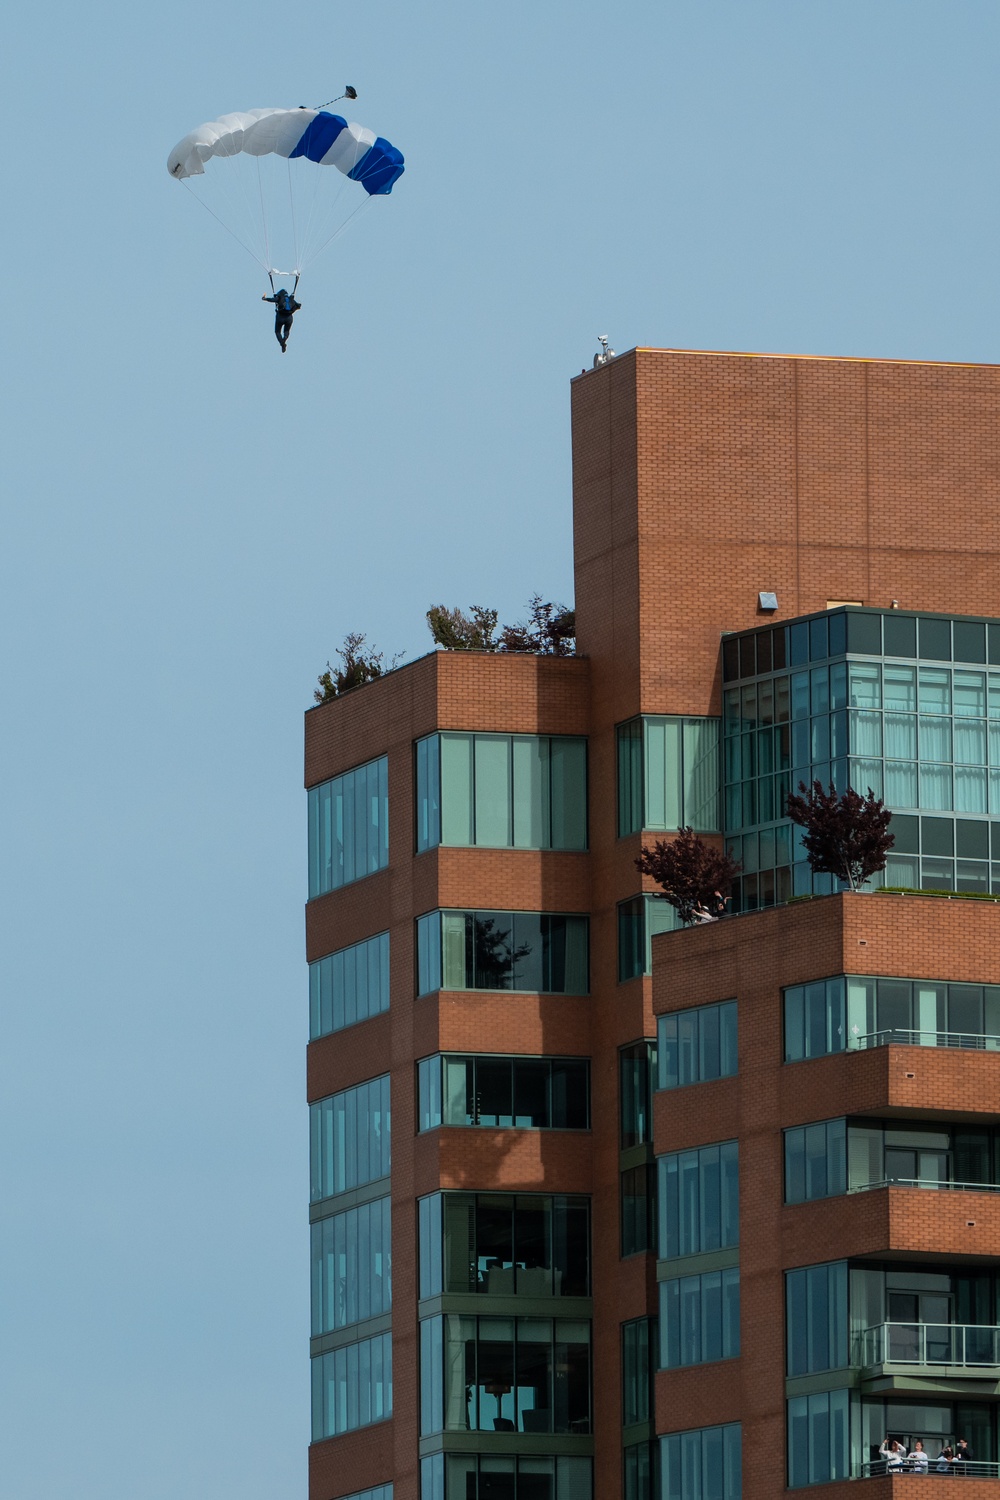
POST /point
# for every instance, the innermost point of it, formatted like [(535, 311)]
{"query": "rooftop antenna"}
[(605, 354)]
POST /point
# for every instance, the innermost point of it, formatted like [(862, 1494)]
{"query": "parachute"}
[(265, 188)]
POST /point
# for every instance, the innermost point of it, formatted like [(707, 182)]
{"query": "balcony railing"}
[(971, 1346), (936, 1184), (969, 1041), (974, 1468)]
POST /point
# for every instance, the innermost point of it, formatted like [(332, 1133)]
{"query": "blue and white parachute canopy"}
[(265, 189), (314, 134)]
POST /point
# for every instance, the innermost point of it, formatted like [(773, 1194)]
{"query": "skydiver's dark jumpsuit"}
[(285, 308)]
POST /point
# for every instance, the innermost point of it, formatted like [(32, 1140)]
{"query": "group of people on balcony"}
[(949, 1460)]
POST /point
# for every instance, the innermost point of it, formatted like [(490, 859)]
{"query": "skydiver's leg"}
[(286, 328), (277, 329)]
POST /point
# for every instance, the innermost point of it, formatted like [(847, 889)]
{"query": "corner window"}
[(817, 1431), (349, 986), (638, 1344), (638, 1209), (696, 1046), (349, 827), (698, 1195), (543, 953), (636, 1071), (816, 1318), (505, 1244), (533, 1093), (501, 791), (703, 1464), (352, 1387), (668, 774), (639, 920), (351, 1266), (349, 1139), (699, 1319), (816, 1161), (504, 1375)]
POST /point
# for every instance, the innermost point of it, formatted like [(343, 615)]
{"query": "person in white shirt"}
[(894, 1454), (919, 1460)]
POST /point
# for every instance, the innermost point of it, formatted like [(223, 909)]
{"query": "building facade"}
[(607, 1211)]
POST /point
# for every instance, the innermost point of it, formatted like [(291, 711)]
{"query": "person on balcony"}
[(945, 1459), (963, 1455), (894, 1454), (919, 1460)]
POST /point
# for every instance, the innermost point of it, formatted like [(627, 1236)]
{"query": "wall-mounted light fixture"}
[(768, 602)]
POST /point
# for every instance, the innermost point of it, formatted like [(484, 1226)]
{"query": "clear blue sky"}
[(193, 522)]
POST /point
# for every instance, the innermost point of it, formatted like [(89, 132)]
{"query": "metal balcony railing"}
[(971, 1346), (972, 1469), (936, 1184), (970, 1041)]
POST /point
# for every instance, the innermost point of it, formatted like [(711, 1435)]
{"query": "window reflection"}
[(534, 952), (505, 1244), (506, 1374)]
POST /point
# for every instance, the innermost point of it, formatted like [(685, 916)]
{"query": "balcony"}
[(967, 1041), (935, 1184), (950, 1350), (972, 1469)]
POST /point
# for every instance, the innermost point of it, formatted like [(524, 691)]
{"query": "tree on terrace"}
[(692, 874), (846, 835)]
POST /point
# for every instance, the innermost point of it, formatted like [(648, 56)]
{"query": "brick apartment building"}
[(682, 1214)]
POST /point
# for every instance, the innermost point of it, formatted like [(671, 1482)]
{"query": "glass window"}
[(815, 1161), (637, 1067), (544, 1093), (469, 1476), (638, 1208), (349, 986), (815, 1019), (699, 1319), (816, 1318), (505, 1244), (351, 1266), (698, 1198), (350, 1136), (352, 1387), (817, 1434), (703, 1464), (864, 633), (505, 1375), (428, 758), (380, 1492), (503, 791), (668, 774), (694, 1046), (641, 1471), (639, 920), (349, 827), (534, 952), (638, 1343)]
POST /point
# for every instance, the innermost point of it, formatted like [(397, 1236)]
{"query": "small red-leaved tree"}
[(694, 876), (847, 836)]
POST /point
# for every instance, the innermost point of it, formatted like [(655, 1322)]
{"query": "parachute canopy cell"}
[(327, 139)]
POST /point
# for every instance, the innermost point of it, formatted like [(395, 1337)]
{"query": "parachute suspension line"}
[(225, 226), (263, 220), (338, 232), (358, 151), (291, 210)]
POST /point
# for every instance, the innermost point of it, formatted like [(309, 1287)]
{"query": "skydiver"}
[(285, 308)]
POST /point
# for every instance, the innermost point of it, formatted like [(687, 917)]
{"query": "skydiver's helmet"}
[(282, 297)]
